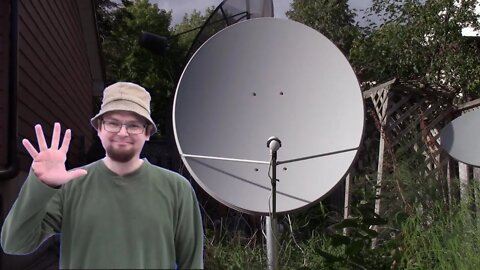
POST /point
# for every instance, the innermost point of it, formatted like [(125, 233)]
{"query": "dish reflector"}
[(261, 78), (460, 138)]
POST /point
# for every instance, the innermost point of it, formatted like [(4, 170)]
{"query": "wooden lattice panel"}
[(411, 115), (412, 118)]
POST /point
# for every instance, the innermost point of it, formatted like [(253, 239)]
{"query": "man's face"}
[(122, 146)]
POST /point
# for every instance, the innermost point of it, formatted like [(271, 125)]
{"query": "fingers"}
[(30, 149), (42, 144), (55, 136), (66, 141)]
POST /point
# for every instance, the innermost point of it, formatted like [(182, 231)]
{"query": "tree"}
[(104, 14), (420, 40), (125, 60), (197, 28), (187, 30), (332, 18)]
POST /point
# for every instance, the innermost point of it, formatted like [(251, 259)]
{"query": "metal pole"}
[(271, 221), (271, 224)]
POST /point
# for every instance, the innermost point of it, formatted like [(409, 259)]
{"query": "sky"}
[(180, 7)]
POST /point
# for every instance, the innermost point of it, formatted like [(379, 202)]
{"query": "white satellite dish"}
[(260, 78), (460, 138)]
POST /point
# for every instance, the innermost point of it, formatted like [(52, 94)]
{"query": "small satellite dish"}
[(229, 12), (460, 138), (257, 79)]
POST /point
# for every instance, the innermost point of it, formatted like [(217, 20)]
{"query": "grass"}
[(452, 241)]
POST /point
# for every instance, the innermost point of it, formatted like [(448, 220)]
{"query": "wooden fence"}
[(411, 115)]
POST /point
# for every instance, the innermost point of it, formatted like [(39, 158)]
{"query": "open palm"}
[(49, 164)]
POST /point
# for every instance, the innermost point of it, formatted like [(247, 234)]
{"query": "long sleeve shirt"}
[(147, 219)]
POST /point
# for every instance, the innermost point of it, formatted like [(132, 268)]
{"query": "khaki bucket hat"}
[(125, 96)]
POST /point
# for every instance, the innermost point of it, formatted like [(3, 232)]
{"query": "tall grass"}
[(451, 241), (419, 229), (231, 250), (440, 239)]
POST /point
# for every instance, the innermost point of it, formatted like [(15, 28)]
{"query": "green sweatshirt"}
[(146, 219)]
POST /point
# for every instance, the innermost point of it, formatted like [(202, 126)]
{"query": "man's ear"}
[(149, 130)]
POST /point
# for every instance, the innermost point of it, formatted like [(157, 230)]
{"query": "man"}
[(118, 212)]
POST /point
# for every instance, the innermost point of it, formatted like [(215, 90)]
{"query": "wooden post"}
[(378, 192), (476, 181), (476, 176), (346, 205), (381, 161), (381, 153), (449, 172), (464, 177)]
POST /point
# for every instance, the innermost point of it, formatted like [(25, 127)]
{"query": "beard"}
[(119, 155)]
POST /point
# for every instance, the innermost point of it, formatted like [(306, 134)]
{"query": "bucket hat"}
[(125, 96)]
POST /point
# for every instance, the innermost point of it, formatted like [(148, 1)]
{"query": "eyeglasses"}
[(132, 128)]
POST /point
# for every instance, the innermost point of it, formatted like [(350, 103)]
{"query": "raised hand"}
[(49, 164)]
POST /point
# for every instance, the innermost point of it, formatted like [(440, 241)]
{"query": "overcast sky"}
[(180, 7)]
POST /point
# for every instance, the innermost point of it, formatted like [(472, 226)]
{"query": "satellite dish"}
[(460, 138), (227, 13), (257, 79)]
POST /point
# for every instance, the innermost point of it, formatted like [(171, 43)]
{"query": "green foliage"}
[(187, 30), (104, 14), (420, 40), (351, 242), (450, 241), (416, 40), (231, 251), (332, 18), (197, 27), (120, 28), (125, 60), (304, 253), (234, 251), (433, 239)]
